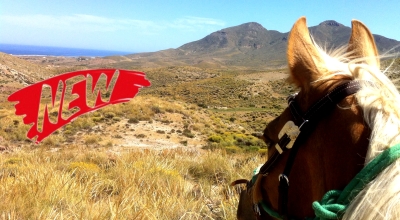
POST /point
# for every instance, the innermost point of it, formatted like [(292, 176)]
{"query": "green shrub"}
[(167, 122), (117, 136), (96, 114), (97, 119), (202, 105), (109, 115), (252, 149), (230, 141), (140, 135), (215, 138), (133, 121), (233, 149), (187, 133), (263, 151), (109, 144), (157, 109), (68, 132)]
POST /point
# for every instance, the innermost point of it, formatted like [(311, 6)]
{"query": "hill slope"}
[(20, 71), (16, 73)]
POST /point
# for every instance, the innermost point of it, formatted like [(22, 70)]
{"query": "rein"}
[(335, 202), (306, 124)]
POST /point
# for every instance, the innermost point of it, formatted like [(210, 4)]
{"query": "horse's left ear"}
[(305, 62), (362, 44)]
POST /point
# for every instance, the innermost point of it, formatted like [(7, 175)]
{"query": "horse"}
[(332, 152)]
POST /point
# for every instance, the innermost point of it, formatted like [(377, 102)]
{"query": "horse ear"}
[(362, 44), (304, 59)]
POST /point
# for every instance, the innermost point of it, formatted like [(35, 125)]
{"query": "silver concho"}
[(292, 132)]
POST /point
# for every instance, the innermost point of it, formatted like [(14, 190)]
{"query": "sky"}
[(153, 25)]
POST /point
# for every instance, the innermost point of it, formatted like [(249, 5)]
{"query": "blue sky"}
[(150, 25)]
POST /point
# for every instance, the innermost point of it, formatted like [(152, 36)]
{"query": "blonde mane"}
[(380, 101)]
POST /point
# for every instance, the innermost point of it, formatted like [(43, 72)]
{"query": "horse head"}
[(328, 133)]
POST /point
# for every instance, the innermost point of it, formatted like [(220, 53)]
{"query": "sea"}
[(29, 50)]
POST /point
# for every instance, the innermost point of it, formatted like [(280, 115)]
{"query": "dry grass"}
[(82, 183), (82, 172)]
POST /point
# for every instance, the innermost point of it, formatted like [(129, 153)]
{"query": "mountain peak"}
[(331, 23), (254, 26), (247, 36)]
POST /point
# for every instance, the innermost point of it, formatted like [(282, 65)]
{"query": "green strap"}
[(264, 206), (270, 212), (328, 208), (335, 202)]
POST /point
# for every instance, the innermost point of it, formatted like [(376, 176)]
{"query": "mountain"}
[(333, 34), (249, 45), (246, 44)]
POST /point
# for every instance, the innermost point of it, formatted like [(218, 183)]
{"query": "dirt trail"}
[(167, 133), (261, 82), (264, 77)]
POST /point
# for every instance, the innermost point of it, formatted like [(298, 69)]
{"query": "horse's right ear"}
[(362, 44), (305, 61)]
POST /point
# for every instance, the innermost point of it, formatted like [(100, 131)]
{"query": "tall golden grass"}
[(78, 182), (60, 179)]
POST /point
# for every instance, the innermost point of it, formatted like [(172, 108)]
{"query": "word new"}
[(120, 85)]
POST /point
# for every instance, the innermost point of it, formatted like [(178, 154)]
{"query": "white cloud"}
[(90, 31), (77, 22), (91, 23), (190, 23), (202, 21)]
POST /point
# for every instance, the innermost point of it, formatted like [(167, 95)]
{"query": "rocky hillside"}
[(249, 45), (19, 71), (16, 73)]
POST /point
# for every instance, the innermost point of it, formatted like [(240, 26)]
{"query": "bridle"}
[(292, 136)]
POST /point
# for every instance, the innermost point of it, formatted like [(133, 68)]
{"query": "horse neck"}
[(338, 147)]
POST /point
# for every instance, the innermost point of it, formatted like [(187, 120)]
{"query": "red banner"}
[(127, 85)]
